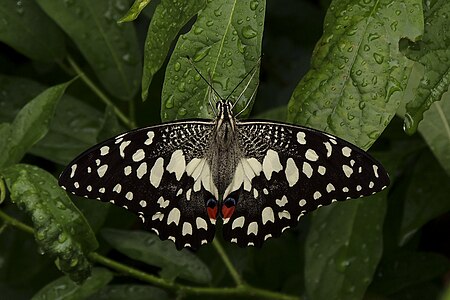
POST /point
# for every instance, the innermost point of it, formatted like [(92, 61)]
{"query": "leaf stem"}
[(242, 290), (233, 272), (129, 123)]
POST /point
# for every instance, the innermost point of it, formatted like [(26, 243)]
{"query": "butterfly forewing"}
[(289, 171), (147, 171)]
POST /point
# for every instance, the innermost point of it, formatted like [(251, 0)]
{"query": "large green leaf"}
[(168, 19), (65, 288), (224, 43), (148, 248), (434, 54), (357, 76), (60, 229), (404, 269), (31, 124), (26, 28), (435, 129), (110, 48), (427, 196), (343, 247)]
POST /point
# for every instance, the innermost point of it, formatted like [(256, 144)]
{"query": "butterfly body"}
[(259, 177)]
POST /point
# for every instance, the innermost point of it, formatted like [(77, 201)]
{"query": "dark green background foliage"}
[(72, 74)]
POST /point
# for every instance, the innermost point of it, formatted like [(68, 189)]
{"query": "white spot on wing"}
[(330, 188), (174, 216), (375, 170), (252, 228), (329, 148), (129, 196), (143, 203), (371, 184), (102, 170), (348, 171), (271, 163), (127, 170), (307, 169), (284, 214), (122, 147), (311, 155), (346, 151), (267, 215), (187, 229), (188, 194), (163, 203), (321, 170), (201, 223), (301, 138), (138, 155), (117, 188), (142, 170), (177, 164), (238, 222), (281, 202), (265, 191), (157, 172), (302, 202), (72, 173), (104, 150), (317, 195), (291, 172), (150, 136)]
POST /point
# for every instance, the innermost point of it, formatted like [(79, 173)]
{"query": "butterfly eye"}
[(211, 207), (228, 207)]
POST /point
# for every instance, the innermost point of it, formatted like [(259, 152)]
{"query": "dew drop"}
[(248, 32), (202, 53), (169, 102), (378, 58), (177, 66)]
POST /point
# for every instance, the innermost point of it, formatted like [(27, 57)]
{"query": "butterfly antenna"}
[(249, 101), (253, 72), (209, 85)]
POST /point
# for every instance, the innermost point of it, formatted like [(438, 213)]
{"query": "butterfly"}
[(259, 177)]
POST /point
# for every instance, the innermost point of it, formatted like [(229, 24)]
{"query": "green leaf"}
[(435, 130), (434, 54), (404, 269), (129, 291), (275, 114), (31, 124), (74, 127), (60, 229), (224, 43), (134, 11), (110, 125), (343, 247), (427, 196), (148, 248), (168, 19), (111, 49), (65, 288), (358, 74), (26, 28)]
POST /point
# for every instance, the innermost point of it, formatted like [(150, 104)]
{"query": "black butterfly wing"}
[(293, 170), (157, 172)]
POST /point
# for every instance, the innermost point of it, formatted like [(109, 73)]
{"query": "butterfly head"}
[(225, 118)]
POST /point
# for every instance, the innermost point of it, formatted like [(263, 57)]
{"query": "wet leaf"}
[(148, 248), (168, 19), (358, 73), (434, 54), (134, 11), (65, 288), (224, 44), (110, 49), (27, 29), (60, 229)]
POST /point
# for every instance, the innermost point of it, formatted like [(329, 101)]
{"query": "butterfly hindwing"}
[(289, 171), (147, 171)]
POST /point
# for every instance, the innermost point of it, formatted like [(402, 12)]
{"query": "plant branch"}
[(241, 290), (233, 272), (129, 123)]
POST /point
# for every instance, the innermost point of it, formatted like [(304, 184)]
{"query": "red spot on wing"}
[(212, 212), (227, 211)]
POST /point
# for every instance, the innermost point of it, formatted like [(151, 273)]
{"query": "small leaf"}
[(60, 229), (111, 49), (134, 11), (168, 19), (110, 125), (224, 43), (404, 269), (65, 288), (358, 73), (343, 247), (31, 124), (148, 248), (129, 291), (427, 196), (435, 129), (434, 54), (27, 29)]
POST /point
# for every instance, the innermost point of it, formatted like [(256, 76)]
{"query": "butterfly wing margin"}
[(293, 171), (145, 171)]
